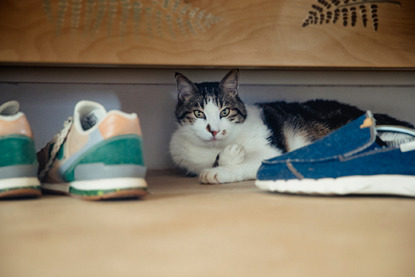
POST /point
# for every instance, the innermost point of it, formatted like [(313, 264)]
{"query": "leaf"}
[(349, 11)]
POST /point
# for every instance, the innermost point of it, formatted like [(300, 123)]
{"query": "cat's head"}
[(210, 110)]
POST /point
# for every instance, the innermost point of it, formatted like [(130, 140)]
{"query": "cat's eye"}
[(199, 114), (225, 112)]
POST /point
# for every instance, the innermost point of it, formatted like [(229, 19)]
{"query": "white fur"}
[(242, 146), (232, 154), (295, 139)]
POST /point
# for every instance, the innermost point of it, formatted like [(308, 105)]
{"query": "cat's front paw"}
[(217, 175), (233, 154)]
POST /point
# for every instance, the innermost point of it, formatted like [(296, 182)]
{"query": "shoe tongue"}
[(9, 108), (89, 114)]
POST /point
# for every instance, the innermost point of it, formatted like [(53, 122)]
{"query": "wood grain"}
[(183, 229), (237, 33)]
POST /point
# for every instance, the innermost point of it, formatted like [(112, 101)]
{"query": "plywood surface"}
[(237, 33), (186, 229)]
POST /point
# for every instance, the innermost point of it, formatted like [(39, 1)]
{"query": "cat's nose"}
[(214, 133)]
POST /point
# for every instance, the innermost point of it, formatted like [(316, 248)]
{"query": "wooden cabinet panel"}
[(239, 33)]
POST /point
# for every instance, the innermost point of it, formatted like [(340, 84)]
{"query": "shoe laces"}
[(57, 142)]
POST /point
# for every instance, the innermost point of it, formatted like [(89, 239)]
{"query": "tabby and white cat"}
[(223, 140)]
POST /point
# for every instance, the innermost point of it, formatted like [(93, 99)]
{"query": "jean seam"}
[(294, 171), (365, 154), (372, 139)]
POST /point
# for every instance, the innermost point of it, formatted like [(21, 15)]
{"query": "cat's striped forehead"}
[(209, 92), (205, 93)]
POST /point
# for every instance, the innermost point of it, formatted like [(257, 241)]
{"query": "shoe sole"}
[(20, 187), (375, 184), (101, 189)]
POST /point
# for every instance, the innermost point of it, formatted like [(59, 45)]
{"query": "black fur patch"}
[(316, 118), (216, 163)]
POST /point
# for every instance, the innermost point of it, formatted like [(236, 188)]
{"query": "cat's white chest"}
[(190, 154)]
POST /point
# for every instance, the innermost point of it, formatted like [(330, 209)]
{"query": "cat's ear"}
[(185, 87), (230, 82)]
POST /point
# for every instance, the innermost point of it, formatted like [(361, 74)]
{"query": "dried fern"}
[(348, 12)]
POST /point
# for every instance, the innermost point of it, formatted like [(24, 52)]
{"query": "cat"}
[(223, 140)]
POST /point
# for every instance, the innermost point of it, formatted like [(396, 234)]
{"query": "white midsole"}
[(375, 184), (98, 184), (19, 182)]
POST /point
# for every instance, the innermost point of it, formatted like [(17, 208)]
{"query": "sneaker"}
[(351, 160), (18, 164), (97, 155)]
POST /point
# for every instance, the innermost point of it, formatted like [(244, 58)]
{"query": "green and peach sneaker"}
[(18, 164), (97, 155)]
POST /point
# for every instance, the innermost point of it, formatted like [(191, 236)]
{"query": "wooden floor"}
[(186, 229)]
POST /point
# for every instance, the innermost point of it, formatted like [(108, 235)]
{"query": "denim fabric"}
[(376, 162), (350, 150), (347, 140)]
